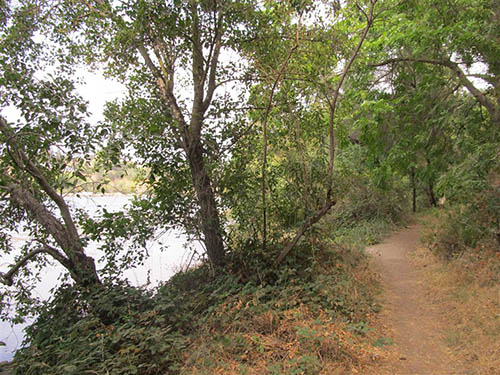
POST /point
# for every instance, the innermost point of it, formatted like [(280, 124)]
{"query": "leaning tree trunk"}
[(80, 266), (209, 214), (64, 232)]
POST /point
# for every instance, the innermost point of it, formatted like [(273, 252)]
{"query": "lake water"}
[(159, 266)]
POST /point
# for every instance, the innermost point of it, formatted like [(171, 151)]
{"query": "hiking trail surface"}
[(411, 318)]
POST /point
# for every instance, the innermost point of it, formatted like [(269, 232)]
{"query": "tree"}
[(172, 50), (430, 65), (35, 162), (411, 126), (354, 22)]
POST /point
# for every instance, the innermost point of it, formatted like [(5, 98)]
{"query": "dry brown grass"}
[(278, 341), (469, 289), (299, 342)]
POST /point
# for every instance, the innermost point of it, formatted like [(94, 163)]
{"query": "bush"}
[(68, 337), (467, 225)]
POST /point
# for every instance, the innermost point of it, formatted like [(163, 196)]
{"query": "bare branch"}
[(381, 78)]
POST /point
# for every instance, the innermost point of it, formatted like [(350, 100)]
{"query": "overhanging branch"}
[(462, 77), (7, 278)]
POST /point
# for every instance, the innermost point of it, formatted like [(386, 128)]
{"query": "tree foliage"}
[(35, 162)]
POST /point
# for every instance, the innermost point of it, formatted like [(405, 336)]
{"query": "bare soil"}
[(412, 319)]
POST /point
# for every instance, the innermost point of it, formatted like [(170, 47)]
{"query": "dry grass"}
[(277, 341), (298, 342), (469, 288)]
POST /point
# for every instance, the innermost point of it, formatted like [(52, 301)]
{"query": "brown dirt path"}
[(413, 321)]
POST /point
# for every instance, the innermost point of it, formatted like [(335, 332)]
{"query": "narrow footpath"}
[(413, 321)]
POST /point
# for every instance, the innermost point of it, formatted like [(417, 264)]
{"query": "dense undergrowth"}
[(308, 316), (465, 226)]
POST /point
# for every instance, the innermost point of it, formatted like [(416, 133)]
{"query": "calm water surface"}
[(159, 266)]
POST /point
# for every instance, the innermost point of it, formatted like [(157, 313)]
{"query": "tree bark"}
[(209, 214), (81, 267), (414, 190)]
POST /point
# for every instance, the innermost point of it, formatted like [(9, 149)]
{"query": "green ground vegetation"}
[(311, 316)]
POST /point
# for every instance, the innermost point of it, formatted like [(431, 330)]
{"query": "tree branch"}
[(213, 64), (462, 77), (165, 85), (336, 93), (149, 63), (329, 203), (34, 170), (264, 130), (197, 72), (7, 278), (305, 226), (22, 197)]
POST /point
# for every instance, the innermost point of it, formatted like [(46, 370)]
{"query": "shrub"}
[(466, 225)]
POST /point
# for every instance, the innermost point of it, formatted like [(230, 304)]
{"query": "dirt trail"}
[(414, 322)]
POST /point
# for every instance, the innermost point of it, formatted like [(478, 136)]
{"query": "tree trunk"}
[(432, 196), (81, 267), (209, 215), (305, 226), (414, 190), (498, 238)]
